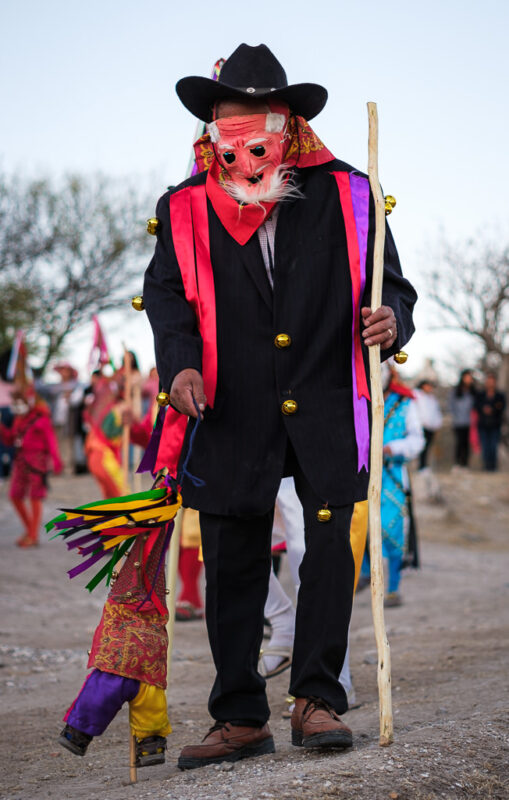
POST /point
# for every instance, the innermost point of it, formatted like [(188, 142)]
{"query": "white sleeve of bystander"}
[(413, 442)]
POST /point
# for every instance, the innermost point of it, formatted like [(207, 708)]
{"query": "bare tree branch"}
[(469, 286), (71, 250)]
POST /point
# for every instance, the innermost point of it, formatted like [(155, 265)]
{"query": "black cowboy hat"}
[(251, 73)]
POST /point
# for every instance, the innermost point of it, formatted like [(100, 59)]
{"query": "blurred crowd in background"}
[(473, 411), (70, 402), (102, 427)]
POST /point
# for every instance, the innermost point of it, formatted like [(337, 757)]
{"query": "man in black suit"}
[(256, 298)]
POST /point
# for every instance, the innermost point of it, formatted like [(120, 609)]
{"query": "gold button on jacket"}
[(289, 407), (282, 340), (324, 515)]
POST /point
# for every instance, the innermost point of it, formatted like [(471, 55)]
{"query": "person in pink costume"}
[(36, 455)]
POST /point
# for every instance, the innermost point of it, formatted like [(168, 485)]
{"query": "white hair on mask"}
[(282, 187), (274, 122), (212, 129)]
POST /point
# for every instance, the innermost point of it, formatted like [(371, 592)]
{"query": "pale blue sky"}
[(89, 86)]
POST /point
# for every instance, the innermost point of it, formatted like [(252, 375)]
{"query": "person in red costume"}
[(37, 454)]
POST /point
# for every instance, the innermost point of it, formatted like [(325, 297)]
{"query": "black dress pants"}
[(237, 556)]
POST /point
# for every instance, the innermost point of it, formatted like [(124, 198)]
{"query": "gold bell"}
[(324, 515), (152, 225), (289, 407), (137, 303), (163, 399), (401, 357), (282, 340), (390, 202)]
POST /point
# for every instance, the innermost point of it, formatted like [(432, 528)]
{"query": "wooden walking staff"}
[(376, 458), (133, 772), (171, 583)]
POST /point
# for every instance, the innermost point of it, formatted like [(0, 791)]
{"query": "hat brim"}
[(200, 94)]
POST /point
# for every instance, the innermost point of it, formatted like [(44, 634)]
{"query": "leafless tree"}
[(469, 285), (67, 251)]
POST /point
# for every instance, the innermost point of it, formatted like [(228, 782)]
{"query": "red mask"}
[(251, 150)]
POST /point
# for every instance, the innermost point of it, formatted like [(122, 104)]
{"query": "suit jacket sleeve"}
[(177, 341), (397, 292)]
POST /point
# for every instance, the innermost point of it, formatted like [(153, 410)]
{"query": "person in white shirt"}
[(428, 409)]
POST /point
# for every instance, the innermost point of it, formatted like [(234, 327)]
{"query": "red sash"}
[(190, 230)]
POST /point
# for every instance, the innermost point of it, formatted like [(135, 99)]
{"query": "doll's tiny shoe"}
[(150, 751), (74, 740)]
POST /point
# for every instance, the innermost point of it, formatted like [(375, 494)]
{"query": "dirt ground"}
[(449, 645)]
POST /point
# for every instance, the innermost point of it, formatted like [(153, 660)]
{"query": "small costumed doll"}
[(129, 649), (36, 455)]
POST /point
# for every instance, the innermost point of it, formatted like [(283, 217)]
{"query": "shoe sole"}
[(73, 748), (332, 739), (248, 751), (150, 760)]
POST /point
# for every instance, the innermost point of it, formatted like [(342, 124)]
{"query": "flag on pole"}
[(192, 168), (99, 354), (18, 369)]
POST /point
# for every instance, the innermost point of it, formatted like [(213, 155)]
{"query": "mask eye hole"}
[(229, 157), (258, 151)]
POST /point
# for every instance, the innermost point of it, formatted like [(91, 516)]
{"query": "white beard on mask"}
[(282, 187)]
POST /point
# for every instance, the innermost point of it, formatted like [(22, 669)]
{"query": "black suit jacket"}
[(240, 447)]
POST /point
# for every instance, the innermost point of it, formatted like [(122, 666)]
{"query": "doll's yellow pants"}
[(148, 715)]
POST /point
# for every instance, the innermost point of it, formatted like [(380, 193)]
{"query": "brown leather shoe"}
[(315, 724), (226, 742)]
